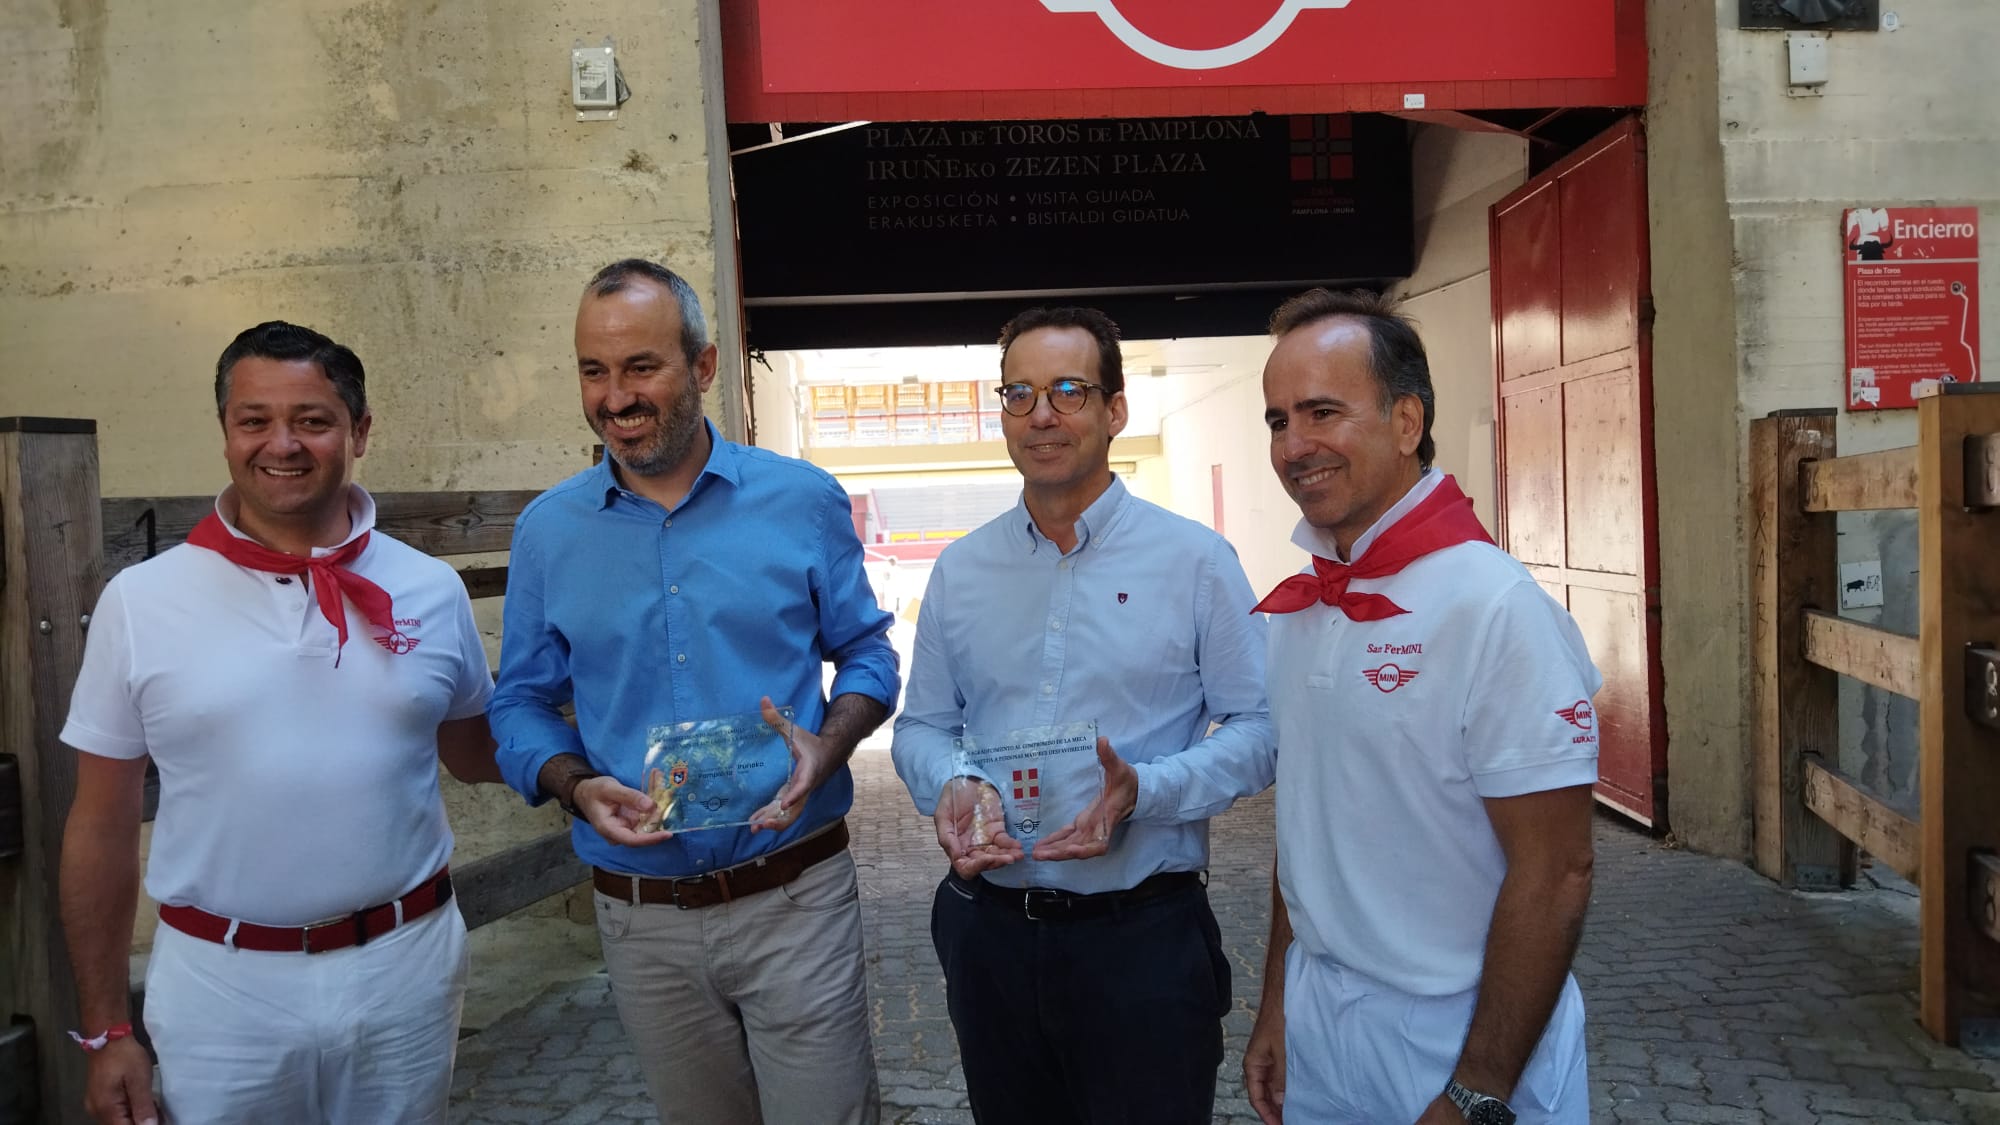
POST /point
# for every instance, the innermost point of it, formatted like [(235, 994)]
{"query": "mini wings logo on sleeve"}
[(1578, 715), (1388, 677)]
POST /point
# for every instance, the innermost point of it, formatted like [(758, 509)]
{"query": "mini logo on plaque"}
[(1388, 677)]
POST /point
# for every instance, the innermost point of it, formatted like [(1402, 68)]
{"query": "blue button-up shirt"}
[(1144, 626), (644, 616)]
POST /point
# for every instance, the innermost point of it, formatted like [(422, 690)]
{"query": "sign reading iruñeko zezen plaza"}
[(1912, 302)]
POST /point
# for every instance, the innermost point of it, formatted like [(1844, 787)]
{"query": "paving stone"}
[(1713, 995)]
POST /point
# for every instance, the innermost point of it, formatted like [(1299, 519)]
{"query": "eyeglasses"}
[(1066, 396)]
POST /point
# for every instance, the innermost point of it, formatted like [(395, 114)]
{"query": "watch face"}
[(1490, 1112)]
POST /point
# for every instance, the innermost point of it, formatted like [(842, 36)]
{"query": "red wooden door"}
[(1573, 417)]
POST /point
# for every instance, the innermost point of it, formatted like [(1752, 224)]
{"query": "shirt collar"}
[(1320, 541), (724, 462), (360, 515), (1095, 519)]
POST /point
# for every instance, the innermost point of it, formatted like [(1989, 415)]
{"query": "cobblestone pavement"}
[(1714, 996)]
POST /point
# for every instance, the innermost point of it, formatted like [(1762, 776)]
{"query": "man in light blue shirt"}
[(1084, 974), (689, 578)]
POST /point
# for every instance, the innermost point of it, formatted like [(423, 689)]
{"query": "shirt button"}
[(1055, 625), (284, 580), (669, 523), (682, 658), (673, 589), (1048, 689)]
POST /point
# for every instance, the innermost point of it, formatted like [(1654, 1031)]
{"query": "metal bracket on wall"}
[(1979, 1037), (1982, 893), (1982, 684), (13, 822)]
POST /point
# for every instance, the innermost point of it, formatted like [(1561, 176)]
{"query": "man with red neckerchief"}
[(297, 676), (1436, 751)]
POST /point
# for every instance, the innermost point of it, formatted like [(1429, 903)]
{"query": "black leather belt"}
[(1044, 904)]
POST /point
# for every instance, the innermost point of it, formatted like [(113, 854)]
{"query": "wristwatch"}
[(1478, 1108)]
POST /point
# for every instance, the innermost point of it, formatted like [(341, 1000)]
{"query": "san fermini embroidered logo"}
[(1388, 677), (396, 640)]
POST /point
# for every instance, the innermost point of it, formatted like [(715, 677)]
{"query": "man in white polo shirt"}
[(1436, 751), (297, 677)]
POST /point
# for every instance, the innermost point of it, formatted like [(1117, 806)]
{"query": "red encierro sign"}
[(1912, 301), (834, 46)]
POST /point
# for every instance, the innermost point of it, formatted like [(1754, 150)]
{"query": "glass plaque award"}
[(1045, 775), (715, 773)]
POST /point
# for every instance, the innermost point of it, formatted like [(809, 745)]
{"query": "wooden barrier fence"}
[(59, 542), (1809, 817)]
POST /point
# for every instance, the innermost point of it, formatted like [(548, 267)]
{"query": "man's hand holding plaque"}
[(972, 827), (620, 813), (813, 761), (1090, 833)]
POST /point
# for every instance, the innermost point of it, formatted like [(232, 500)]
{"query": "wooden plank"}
[(484, 581), (1863, 482), (52, 574), (492, 888), (1793, 568), (1958, 770), (1886, 832), (1887, 659), (1982, 471), (437, 523)]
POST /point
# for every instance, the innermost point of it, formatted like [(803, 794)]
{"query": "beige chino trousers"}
[(752, 1012)]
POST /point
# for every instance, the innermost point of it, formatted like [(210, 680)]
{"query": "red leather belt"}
[(319, 937)]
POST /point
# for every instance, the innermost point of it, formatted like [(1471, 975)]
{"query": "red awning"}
[(931, 60)]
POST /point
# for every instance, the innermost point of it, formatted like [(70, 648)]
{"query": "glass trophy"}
[(1045, 775), (715, 773)]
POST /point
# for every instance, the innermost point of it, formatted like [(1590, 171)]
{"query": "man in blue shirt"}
[(689, 578), (1084, 974)]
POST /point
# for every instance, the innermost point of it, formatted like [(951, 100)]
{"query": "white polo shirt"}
[(1390, 735), (291, 790)]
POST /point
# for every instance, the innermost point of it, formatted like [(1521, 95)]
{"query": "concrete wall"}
[(1747, 185), (1456, 176), (409, 178), (1792, 165), (1697, 433)]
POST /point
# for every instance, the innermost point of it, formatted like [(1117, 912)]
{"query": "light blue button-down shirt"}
[(1145, 627), (645, 616)]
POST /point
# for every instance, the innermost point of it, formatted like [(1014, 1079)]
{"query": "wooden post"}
[(1959, 770), (52, 566), (1794, 567)]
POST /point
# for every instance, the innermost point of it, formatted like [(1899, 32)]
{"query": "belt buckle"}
[(306, 931), (674, 889), (1049, 897)]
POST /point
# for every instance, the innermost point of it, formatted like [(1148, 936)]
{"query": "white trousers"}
[(749, 1011), (1360, 1052), (359, 1036)]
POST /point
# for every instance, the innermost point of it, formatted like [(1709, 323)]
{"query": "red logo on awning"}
[(1191, 58)]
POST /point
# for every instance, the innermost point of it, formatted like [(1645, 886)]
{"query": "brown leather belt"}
[(741, 881), (318, 937)]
